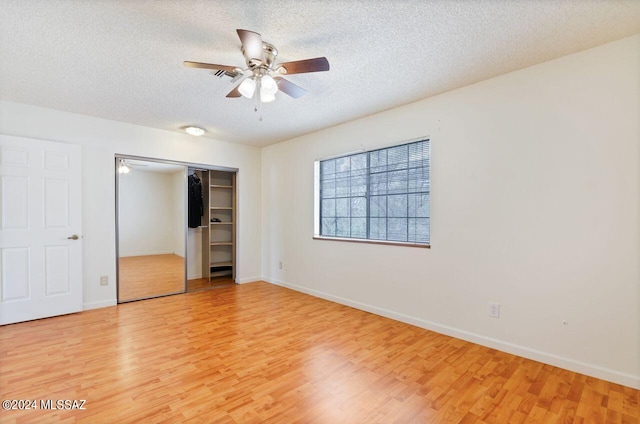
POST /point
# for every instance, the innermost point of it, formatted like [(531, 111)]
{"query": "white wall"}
[(100, 140), (535, 205), (150, 208)]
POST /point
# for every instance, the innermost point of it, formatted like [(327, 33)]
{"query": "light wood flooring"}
[(148, 276), (204, 284), (258, 353)]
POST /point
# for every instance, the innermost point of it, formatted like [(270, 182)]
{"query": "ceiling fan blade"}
[(209, 66), (251, 44), (308, 65), (234, 92), (289, 88)]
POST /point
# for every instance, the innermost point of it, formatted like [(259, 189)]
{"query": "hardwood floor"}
[(152, 275), (260, 353), (204, 284)]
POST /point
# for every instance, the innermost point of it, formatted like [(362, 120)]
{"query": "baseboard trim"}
[(151, 253), (607, 374), (99, 304), (194, 276), (248, 280)]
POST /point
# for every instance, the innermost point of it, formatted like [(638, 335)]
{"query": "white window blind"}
[(380, 195)]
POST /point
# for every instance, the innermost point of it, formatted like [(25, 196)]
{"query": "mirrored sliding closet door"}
[(151, 231)]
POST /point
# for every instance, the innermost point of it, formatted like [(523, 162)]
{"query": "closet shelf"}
[(219, 197)]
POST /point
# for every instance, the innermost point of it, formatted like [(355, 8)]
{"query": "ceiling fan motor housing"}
[(270, 53)]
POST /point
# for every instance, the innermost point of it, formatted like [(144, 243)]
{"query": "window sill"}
[(355, 240)]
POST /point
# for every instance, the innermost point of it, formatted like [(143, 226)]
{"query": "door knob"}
[(73, 237)]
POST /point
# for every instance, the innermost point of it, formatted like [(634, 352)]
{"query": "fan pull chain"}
[(258, 105), (258, 109)]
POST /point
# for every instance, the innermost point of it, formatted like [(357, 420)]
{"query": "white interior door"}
[(40, 229)]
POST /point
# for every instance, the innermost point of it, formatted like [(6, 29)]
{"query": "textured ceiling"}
[(122, 59)]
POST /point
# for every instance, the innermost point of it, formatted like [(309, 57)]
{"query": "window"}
[(380, 195)]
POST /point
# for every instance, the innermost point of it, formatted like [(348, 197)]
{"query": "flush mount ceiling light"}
[(195, 131), (262, 75)]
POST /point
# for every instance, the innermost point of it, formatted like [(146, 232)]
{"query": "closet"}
[(215, 203), (175, 227)]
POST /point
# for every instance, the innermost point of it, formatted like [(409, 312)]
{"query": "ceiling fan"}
[(262, 74)]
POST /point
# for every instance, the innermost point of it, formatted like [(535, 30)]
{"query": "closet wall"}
[(194, 253)]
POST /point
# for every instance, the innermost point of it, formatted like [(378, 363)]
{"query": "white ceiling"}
[(122, 59)]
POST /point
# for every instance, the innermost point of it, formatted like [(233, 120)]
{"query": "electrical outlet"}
[(280, 264), (104, 280), (494, 310)]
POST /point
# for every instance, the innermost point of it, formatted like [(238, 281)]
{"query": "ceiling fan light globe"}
[(265, 96), (268, 85), (247, 88)]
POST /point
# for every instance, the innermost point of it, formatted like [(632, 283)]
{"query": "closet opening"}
[(212, 228), (175, 227)]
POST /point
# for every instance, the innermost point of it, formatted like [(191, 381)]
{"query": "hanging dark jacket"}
[(196, 208)]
